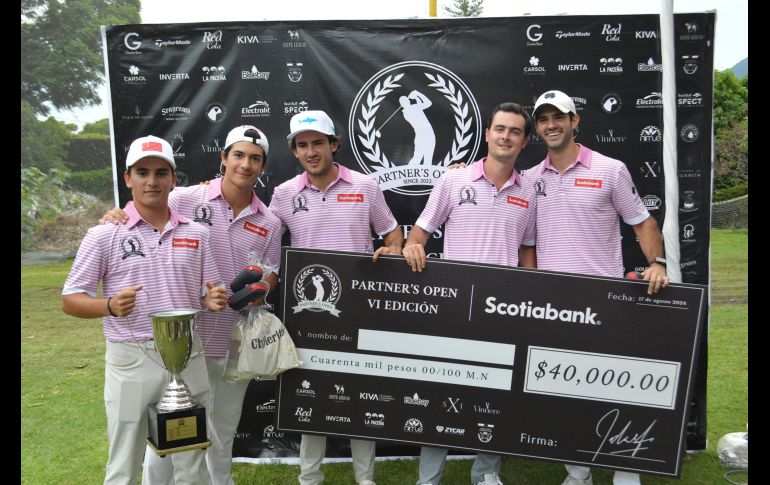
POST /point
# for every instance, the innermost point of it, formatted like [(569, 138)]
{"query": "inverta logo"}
[(183, 242), (350, 197), (258, 230), (525, 309), (518, 201), (597, 184)]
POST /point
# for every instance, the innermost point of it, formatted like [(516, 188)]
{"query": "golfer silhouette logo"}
[(300, 203), (317, 289), (424, 136), (467, 195), (131, 246), (410, 122), (202, 213)]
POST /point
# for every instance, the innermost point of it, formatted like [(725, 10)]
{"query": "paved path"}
[(41, 257)]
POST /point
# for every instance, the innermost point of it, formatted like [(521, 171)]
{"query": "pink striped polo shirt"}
[(232, 239), (482, 224), (340, 218), (172, 266), (578, 230)]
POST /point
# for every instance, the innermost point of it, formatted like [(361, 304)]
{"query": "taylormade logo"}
[(525, 309)]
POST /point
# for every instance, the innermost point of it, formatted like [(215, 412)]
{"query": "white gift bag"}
[(260, 346)]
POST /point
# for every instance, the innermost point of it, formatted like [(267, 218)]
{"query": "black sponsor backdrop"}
[(436, 399), (191, 83)]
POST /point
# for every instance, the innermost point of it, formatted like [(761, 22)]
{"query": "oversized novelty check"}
[(535, 364)]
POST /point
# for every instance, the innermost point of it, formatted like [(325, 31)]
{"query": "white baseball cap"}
[(557, 99), (310, 121), (242, 133), (150, 146)]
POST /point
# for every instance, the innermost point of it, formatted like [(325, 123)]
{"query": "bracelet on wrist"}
[(109, 309)]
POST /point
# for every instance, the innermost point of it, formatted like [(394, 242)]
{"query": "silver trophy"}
[(173, 331), (177, 423)]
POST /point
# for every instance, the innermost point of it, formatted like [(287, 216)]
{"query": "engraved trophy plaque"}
[(176, 423)]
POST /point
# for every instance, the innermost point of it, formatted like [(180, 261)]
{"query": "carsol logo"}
[(409, 122)]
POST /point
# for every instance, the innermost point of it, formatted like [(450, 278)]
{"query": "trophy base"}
[(177, 431), (168, 451)]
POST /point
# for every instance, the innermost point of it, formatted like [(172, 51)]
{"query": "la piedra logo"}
[(317, 289), (410, 122)]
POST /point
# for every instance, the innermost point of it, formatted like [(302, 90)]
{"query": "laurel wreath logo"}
[(373, 99), (460, 107), (366, 125), (299, 288), (334, 283)]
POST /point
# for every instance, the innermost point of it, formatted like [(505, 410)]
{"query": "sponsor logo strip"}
[(350, 197), (258, 230), (518, 201), (597, 184), (183, 242)]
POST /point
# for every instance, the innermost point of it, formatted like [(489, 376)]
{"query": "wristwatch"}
[(659, 260)]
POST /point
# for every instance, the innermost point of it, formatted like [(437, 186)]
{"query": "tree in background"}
[(465, 8), (43, 143), (61, 50), (731, 99), (101, 127), (731, 143)]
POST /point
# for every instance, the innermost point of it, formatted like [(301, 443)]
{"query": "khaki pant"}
[(311, 453), (131, 382)]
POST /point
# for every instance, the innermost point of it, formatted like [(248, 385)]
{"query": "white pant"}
[(620, 478), (432, 461), (131, 382), (311, 453), (223, 412)]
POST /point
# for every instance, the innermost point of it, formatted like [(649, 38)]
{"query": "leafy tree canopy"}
[(465, 8), (731, 99), (43, 143), (101, 127), (61, 49)]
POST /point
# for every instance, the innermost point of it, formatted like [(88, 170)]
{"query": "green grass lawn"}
[(64, 426)]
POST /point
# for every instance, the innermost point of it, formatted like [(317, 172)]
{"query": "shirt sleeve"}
[(626, 198), (275, 208), (380, 217), (529, 231), (89, 266), (437, 210)]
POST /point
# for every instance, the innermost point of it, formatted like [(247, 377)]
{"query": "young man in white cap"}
[(239, 224), (580, 194), (490, 218), (329, 206), (164, 254)]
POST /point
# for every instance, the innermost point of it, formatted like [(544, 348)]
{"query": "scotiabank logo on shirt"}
[(183, 242), (594, 183), (258, 230), (350, 197), (518, 201)]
